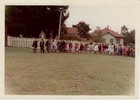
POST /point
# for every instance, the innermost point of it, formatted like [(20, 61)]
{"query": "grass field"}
[(27, 73)]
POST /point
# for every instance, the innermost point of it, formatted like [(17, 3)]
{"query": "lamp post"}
[(59, 30)]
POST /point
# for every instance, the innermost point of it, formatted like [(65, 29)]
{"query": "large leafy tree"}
[(97, 35), (129, 35), (31, 20), (124, 29), (132, 35), (83, 29)]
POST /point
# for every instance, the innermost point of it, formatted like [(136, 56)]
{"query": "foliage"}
[(124, 29), (129, 35), (72, 37), (31, 20), (97, 35), (83, 29), (131, 45)]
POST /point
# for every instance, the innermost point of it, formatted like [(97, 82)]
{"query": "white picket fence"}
[(21, 42), (25, 42)]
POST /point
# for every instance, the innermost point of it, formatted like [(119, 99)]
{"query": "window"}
[(118, 41), (111, 40)]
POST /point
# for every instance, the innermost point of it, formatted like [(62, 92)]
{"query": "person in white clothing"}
[(109, 48), (67, 47), (73, 47), (112, 49), (96, 49), (54, 46), (88, 48)]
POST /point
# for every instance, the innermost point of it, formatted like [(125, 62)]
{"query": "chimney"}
[(107, 26)]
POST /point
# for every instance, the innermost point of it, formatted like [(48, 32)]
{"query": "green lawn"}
[(27, 73)]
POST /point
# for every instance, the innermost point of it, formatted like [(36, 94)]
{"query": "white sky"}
[(113, 15)]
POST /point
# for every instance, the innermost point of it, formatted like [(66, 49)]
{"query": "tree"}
[(72, 37), (97, 35), (124, 29), (83, 29), (132, 34), (31, 20), (129, 36)]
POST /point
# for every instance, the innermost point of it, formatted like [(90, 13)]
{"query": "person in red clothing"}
[(102, 49), (124, 51)]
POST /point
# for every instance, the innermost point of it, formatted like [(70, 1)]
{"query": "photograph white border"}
[(134, 3)]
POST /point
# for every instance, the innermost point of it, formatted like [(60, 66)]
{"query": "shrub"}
[(131, 44), (72, 37)]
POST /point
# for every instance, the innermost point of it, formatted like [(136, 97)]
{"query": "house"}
[(71, 30), (109, 36)]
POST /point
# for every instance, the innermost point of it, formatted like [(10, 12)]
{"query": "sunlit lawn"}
[(67, 74)]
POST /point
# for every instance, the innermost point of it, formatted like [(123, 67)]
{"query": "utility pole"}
[(59, 30)]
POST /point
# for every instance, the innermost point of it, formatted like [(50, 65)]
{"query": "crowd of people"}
[(63, 46)]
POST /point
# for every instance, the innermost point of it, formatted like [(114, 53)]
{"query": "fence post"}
[(9, 40)]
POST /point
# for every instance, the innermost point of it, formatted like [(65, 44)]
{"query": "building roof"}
[(115, 34), (71, 30)]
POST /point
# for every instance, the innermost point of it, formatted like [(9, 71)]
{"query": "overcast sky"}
[(114, 16)]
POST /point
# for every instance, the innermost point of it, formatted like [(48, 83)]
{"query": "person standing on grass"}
[(64, 46), (99, 48), (128, 51), (58, 45), (42, 46), (93, 47), (73, 47), (54, 46), (124, 51), (105, 49), (76, 47), (96, 48), (85, 47), (120, 50), (116, 49), (48, 45), (102, 49), (81, 47), (133, 52), (61, 46), (67, 46), (34, 46), (88, 48), (70, 46), (111, 49), (51, 44)]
